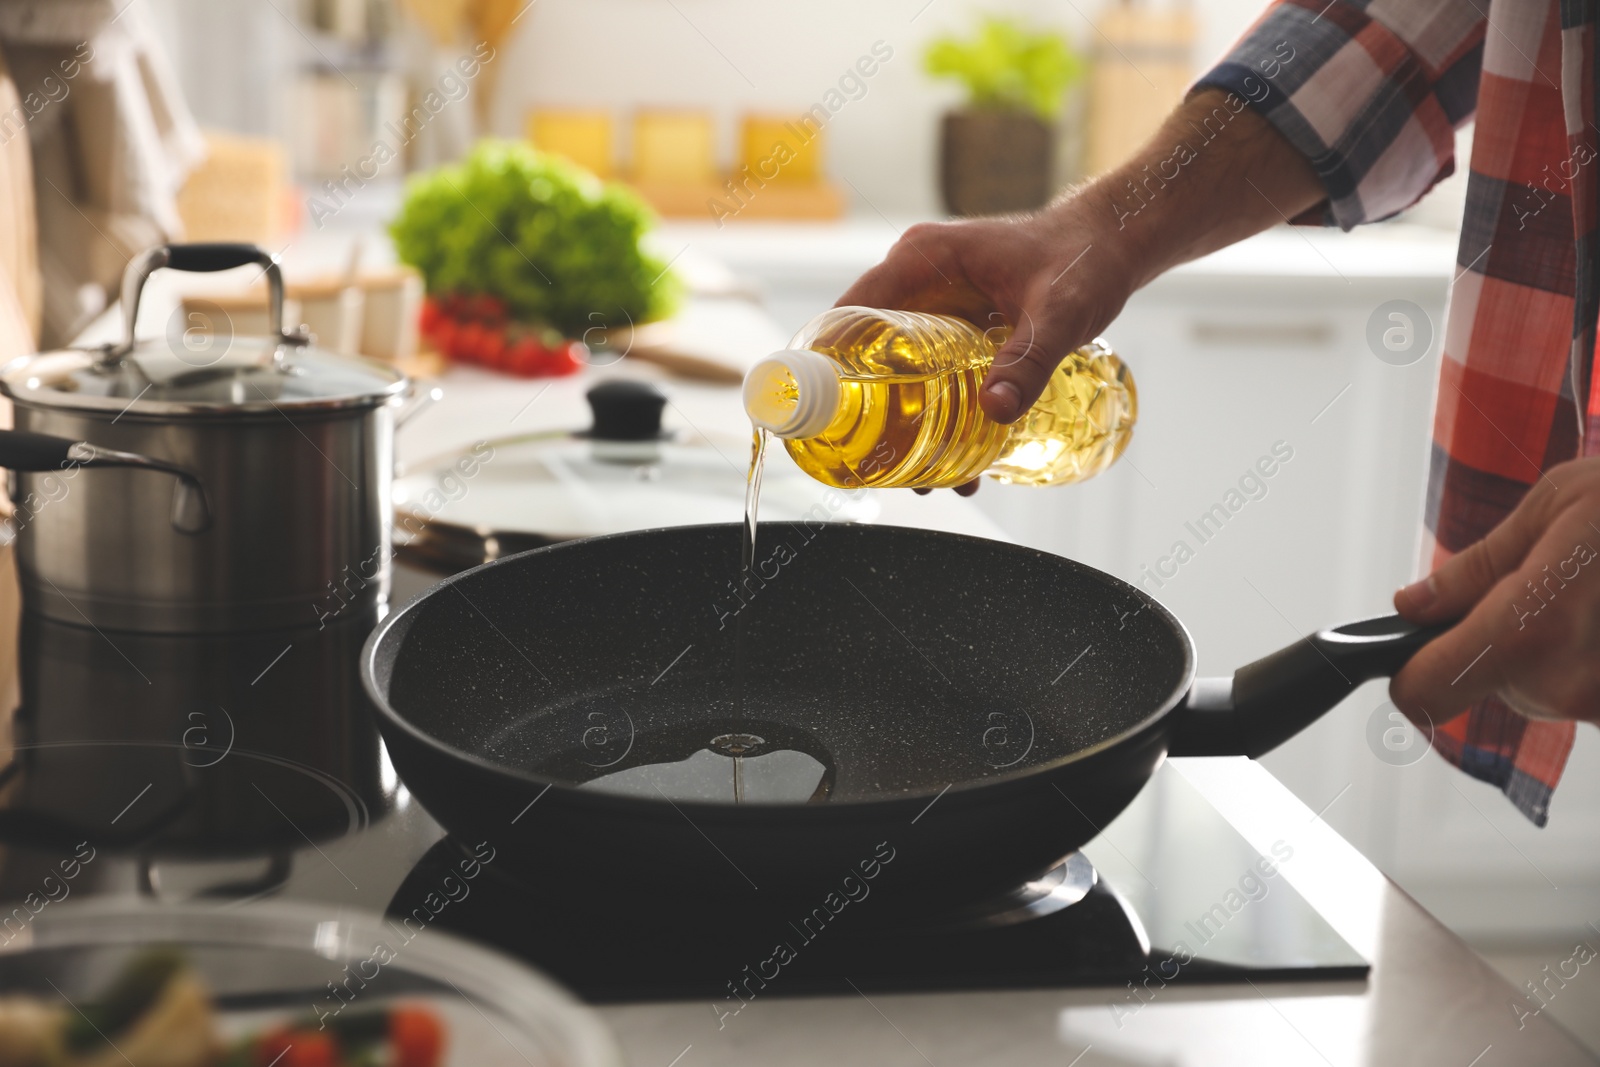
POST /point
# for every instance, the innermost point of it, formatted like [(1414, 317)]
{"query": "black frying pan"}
[(974, 709)]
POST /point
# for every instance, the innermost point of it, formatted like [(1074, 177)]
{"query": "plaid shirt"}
[(1372, 99)]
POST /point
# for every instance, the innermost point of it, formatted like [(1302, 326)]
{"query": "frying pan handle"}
[(1269, 701)]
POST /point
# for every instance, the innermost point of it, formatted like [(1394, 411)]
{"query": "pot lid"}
[(155, 378), (187, 372), (622, 474)]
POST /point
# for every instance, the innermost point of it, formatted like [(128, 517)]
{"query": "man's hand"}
[(1058, 277), (1528, 596), (1042, 276)]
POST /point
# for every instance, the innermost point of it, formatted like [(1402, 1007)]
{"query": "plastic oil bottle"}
[(872, 398)]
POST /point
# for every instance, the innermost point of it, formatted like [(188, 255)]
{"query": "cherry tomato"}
[(487, 307), (296, 1048), (269, 1045), (417, 1036), (522, 357), (568, 358), (470, 342), (493, 347), (546, 365), (444, 336), (431, 315)]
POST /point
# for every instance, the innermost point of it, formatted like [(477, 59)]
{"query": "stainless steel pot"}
[(255, 493)]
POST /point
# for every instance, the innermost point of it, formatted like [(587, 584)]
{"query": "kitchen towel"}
[(1523, 757), (1371, 93)]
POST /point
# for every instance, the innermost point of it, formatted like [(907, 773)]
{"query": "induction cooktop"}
[(1169, 893)]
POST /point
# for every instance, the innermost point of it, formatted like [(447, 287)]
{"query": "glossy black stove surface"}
[(1190, 902), (198, 745)]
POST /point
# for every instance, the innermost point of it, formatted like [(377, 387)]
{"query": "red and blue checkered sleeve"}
[(1370, 93)]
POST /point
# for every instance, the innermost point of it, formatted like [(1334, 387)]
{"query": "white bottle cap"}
[(794, 393)]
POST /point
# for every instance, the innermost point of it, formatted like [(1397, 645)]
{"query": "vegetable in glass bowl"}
[(158, 1011), (103, 983)]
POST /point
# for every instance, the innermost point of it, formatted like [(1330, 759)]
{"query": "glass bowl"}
[(269, 964)]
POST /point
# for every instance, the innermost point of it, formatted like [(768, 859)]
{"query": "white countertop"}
[(1392, 250)]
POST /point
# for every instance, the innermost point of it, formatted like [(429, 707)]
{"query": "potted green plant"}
[(996, 153)]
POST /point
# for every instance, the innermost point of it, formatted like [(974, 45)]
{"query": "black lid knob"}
[(626, 411)]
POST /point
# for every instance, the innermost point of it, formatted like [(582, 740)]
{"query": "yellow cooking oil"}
[(865, 397)]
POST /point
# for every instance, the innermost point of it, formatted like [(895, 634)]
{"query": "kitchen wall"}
[(730, 56), (231, 56), (726, 56)]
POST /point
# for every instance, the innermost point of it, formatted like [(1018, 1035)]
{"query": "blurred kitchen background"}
[(1265, 343)]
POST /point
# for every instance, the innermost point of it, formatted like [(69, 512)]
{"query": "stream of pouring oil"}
[(747, 558)]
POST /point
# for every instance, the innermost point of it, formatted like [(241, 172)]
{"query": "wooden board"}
[(775, 200)]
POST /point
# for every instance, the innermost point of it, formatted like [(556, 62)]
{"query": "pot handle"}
[(203, 257), (24, 451), (1269, 701), (419, 403)]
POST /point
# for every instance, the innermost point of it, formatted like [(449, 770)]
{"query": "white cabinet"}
[(1240, 374), (1230, 360)]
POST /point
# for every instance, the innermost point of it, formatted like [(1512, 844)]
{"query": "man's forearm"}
[(1215, 173)]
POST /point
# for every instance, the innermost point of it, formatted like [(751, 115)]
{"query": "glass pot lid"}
[(211, 372), (624, 473)]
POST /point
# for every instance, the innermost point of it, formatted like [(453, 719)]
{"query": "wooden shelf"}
[(713, 202)]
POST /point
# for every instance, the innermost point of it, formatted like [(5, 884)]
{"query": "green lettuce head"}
[(556, 244)]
